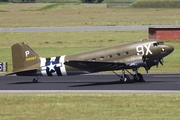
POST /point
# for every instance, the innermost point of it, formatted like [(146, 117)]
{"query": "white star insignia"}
[(51, 67)]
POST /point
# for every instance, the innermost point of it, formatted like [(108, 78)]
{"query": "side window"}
[(102, 58), (126, 53), (118, 54), (109, 56), (93, 59)]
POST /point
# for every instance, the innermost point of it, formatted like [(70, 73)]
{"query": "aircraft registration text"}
[(143, 49), (30, 58)]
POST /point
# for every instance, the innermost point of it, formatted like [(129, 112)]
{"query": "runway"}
[(108, 82), (78, 28)]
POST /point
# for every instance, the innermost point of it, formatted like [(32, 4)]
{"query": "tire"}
[(35, 80), (126, 79), (139, 79)]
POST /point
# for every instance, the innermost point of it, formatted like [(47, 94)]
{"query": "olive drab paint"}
[(145, 53)]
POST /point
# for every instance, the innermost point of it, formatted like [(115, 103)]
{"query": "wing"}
[(95, 66)]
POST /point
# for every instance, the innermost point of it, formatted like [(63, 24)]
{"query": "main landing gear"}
[(35, 80), (124, 78)]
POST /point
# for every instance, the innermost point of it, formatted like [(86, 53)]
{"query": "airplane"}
[(143, 53)]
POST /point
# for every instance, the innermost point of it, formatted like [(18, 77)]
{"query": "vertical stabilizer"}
[(24, 58)]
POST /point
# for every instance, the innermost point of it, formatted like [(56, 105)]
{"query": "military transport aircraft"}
[(143, 53)]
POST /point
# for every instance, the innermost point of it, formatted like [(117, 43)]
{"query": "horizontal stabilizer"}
[(31, 72), (95, 66)]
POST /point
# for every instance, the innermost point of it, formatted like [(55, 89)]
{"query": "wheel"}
[(126, 79), (35, 80), (138, 78)]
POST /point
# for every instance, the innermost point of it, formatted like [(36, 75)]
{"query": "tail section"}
[(24, 59)]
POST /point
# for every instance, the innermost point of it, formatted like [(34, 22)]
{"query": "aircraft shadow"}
[(97, 84), (23, 83), (118, 82), (83, 84)]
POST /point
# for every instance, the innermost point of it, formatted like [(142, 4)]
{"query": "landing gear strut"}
[(124, 78)]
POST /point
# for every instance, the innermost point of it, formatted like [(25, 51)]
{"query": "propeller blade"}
[(146, 67), (161, 61), (157, 64)]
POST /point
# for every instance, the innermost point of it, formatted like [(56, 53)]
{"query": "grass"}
[(28, 15), (156, 4), (3, 11), (64, 43), (67, 106), (84, 106), (110, 1), (51, 6), (60, 43)]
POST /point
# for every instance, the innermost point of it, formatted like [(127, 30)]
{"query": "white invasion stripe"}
[(53, 58), (43, 66), (63, 69)]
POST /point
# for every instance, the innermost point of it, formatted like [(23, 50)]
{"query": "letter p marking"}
[(27, 53)]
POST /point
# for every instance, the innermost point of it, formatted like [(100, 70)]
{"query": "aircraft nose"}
[(167, 48)]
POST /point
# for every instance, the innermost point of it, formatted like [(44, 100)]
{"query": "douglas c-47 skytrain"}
[(144, 53)]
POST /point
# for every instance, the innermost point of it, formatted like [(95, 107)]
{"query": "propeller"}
[(147, 65), (161, 61)]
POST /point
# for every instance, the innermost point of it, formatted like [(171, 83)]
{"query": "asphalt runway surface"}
[(167, 82)]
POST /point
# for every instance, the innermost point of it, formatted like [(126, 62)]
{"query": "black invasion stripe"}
[(58, 70), (47, 69)]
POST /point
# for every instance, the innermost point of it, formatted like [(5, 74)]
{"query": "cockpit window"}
[(158, 43), (155, 44)]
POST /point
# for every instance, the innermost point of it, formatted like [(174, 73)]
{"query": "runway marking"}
[(167, 76)]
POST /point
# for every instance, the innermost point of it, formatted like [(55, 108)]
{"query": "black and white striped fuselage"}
[(53, 66)]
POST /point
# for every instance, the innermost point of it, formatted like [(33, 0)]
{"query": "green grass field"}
[(46, 14), (68, 106), (58, 43), (64, 43)]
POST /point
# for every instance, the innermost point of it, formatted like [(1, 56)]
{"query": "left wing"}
[(95, 66)]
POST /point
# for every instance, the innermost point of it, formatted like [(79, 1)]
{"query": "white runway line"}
[(90, 91)]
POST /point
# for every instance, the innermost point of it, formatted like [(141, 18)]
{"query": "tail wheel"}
[(138, 78), (35, 80)]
